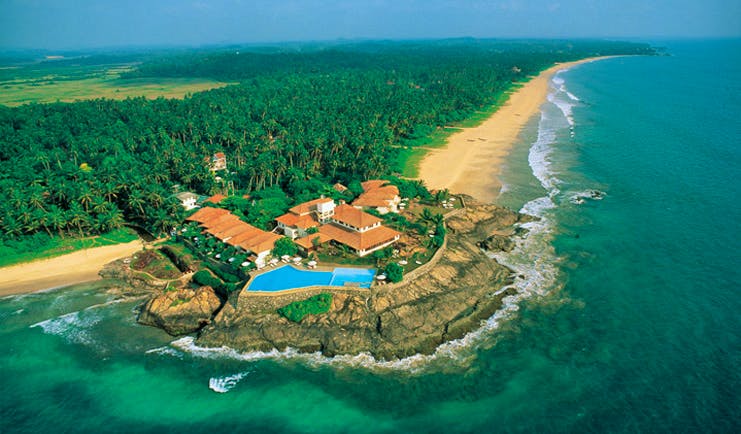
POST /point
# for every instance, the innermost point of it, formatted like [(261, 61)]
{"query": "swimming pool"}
[(289, 277)]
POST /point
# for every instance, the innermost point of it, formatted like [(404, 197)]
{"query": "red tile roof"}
[(354, 217), (307, 207), (226, 226), (220, 223), (372, 184), (376, 194), (215, 198), (207, 213), (307, 241), (292, 220), (359, 240)]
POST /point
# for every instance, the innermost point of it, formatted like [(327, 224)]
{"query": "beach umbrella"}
[(245, 263), (297, 259), (403, 262), (381, 277), (311, 263)]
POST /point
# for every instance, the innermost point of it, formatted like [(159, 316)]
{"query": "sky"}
[(70, 24)]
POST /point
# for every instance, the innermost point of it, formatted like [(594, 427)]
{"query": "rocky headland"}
[(441, 301), (181, 311)]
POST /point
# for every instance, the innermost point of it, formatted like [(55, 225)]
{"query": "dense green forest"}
[(297, 120)]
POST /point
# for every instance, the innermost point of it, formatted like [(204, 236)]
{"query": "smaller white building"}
[(297, 222), (187, 200)]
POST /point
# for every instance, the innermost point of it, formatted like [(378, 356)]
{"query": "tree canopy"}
[(294, 122)]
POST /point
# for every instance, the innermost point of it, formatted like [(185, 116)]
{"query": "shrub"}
[(394, 272), (285, 246), (224, 275), (182, 260), (315, 305), (205, 278)]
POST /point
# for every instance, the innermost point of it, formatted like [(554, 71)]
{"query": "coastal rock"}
[(389, 321), (497, 243), (182, 311), (526, 218), (138, 282)]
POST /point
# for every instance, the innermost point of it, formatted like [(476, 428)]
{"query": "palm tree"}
[(85, 197), (36, 199), (110, 191), (114, 217), (12, 227), (136, 203), (99, 205), (56, 219), (77, 217)]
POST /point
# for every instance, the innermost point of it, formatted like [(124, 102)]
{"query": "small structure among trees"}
[(217, 162)]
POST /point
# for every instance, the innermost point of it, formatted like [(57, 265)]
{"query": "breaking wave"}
[(75, 327), (225, 384), (461, 351)]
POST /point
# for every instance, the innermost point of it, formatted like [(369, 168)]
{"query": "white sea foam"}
[(539, 157), (225, 384), (73, 327), (563, 99), (165, 351), (566, 107), (461, 351), (534, 259)]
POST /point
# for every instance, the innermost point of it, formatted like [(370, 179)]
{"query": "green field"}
[(23, 85)]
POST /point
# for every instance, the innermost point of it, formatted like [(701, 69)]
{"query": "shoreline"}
[(471, 160), (74, 268)]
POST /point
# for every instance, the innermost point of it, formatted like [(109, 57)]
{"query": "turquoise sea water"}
[(631, 323)]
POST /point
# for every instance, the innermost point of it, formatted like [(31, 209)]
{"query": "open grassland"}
[(66, 84)]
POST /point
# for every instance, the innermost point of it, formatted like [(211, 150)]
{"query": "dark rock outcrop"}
[(390, 321), (497, 243), (182, 311)]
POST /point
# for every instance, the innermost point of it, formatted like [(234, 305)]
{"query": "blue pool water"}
[(356, 276), (288, 277)]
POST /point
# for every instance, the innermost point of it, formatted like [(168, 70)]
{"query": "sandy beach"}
[(471, 160), (77, 267)]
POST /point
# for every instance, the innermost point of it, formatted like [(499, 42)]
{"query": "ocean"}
[(627, 318)]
